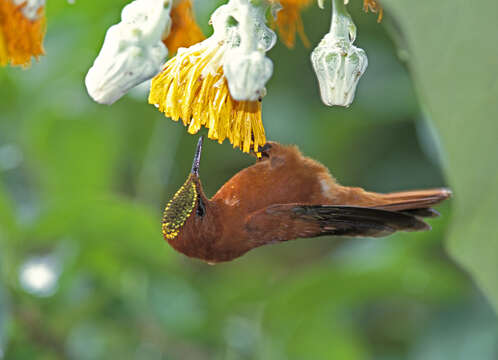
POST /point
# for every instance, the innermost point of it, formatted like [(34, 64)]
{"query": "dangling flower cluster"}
[(22, 28), (134, 49), (339, 64), (219, 83)]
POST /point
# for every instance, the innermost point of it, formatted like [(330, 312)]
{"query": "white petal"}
[(247, 74), (132, 51)]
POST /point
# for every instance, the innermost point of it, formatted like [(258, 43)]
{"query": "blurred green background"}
[(86, 274)]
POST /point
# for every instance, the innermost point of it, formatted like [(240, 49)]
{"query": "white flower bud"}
[(247, 74), (338, 65), (132, 51)]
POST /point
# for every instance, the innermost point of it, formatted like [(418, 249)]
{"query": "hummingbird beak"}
[(197, 157)]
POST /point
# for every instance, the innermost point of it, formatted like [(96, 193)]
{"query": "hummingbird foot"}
[(264, 150)]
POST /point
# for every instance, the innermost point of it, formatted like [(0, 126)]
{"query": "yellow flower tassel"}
[(4, 57), (375, 7), (188, 89), (21, 38), (184, 30)]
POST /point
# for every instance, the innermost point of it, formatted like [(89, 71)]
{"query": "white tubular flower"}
[(246, 67), (217, 83), (339, 64), (132, 51)]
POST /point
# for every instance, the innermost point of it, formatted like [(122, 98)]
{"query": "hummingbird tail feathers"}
[(416, 202)]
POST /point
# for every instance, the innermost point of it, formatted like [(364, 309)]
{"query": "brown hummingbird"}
[(284, 196)]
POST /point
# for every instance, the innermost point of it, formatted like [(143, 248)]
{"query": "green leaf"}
[(452, 53)]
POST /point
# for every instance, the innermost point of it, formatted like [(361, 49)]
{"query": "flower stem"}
[(247, 26), (342, 25)]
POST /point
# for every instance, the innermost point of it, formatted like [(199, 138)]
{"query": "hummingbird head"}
[(184, 202)]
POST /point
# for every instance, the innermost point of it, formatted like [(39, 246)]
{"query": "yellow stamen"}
[(184, 30), (375, 7), (289, 21), (189, 89), (20, 38)]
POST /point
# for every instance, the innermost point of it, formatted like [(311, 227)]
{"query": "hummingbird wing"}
[(284, 222)]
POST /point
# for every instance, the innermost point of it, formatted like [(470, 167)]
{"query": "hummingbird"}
[(284, 196)]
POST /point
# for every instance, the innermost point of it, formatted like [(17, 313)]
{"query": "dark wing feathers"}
[(284, 222), (427, 212)]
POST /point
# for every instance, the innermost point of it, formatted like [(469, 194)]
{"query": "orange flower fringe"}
[(375, 7), (184, 30), (289, 21), (20, 37), (182, 90)]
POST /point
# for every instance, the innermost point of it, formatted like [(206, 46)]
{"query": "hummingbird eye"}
[(201, 208)]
